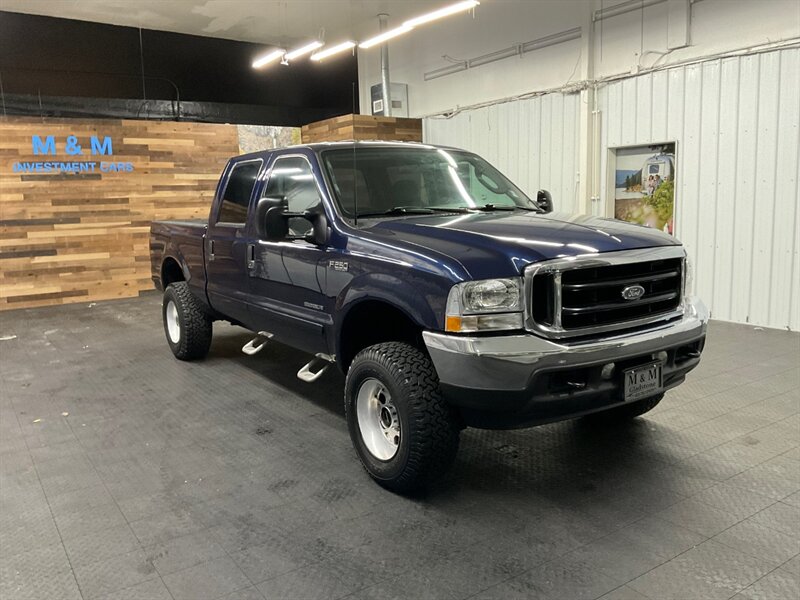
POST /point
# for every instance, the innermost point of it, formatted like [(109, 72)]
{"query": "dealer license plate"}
[(642, 382)]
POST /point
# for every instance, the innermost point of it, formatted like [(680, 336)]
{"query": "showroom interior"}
[(444, 401)]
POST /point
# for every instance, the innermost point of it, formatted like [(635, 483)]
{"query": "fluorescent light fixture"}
[(333, 50), (442, 12), (303, 50), (268, 58), (386, 35)]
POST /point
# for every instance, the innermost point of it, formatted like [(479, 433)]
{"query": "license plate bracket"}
[(643, 381)]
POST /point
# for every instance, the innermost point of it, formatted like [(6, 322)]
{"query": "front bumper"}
[(520, 380)]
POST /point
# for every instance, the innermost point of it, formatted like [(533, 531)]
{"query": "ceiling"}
[(280, 22)]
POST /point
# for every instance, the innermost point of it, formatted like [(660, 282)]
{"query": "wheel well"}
[(373, 322), (171, 272)]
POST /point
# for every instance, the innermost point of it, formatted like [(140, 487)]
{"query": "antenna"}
[(355, 184)]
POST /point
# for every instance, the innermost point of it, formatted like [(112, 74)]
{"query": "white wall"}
[(735, 121), (619, 44), (533, 141), (737, 126)]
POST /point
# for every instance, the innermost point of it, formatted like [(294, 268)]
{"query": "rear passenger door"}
[(226, 241)]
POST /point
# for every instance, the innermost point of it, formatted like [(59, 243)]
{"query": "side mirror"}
[(276, 225), (262, 208), (319, 227), (545, 200)]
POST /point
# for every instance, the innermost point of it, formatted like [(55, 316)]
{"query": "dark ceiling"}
[(55, 57)]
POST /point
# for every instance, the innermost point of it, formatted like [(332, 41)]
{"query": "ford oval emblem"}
[(633, 292)]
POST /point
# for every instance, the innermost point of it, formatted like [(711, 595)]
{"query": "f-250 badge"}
[(339, 265)]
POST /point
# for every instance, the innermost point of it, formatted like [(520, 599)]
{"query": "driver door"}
[(287, 277)]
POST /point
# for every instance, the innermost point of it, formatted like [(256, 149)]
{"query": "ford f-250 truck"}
[(446, 296)]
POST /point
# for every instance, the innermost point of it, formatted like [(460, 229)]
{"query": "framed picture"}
[(644, 185)]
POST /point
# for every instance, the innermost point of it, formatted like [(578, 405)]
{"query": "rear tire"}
[(403, 431), (186, 324), (626, 412)]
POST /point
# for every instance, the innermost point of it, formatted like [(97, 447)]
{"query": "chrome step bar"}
[(315, 368), (257, 344)]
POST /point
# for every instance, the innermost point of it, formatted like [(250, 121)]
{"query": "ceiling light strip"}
[(268, 58), (303, 50), (442, 12), (386, 35), (323, 54)]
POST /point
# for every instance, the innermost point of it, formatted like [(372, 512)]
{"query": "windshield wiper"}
[(399, 211), (466, 209), (493, 207)]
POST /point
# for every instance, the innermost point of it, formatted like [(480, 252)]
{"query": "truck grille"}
[(586, 296)]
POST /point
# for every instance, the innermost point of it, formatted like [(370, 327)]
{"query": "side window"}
[(292, 179), (236, 197)]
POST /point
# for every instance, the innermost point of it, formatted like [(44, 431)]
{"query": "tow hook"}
[(315, 368)]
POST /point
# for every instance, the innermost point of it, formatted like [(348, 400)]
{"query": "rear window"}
[(236, 198)]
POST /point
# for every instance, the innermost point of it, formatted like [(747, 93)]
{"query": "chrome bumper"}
[(509, 363)]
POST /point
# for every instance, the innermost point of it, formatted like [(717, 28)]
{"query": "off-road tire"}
[(429, 426), (626, 412), (195, 324)]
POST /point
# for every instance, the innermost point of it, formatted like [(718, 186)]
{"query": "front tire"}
[(403, 431), (187, 326)]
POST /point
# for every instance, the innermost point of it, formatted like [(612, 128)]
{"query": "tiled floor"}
[(127, 474)]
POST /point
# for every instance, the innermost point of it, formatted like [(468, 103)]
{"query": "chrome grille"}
[(583, 295)]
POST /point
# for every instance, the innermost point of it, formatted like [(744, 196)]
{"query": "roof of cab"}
[(317, 146)]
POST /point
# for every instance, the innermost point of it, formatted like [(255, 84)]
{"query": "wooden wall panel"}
[(363, 127), (84, 237)]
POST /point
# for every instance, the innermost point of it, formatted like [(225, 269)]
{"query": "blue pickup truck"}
[(446, 296)]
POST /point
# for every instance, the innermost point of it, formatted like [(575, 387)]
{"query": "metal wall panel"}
[(533, 141), (736, 122), (737, 125)]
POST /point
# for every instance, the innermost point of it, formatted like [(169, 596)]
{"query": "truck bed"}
[(186, 241)]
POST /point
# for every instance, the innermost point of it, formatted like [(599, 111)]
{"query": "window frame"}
[(237, 225), (268, 176)]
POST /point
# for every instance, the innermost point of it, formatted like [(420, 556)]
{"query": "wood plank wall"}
[(363, 127), (84, 237)]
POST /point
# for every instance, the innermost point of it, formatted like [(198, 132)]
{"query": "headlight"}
[(487, 305)]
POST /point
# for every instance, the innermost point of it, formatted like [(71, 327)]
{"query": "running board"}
[(315, 368), (257, 344)]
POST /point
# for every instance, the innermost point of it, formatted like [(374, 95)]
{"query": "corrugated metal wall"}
[(534, 142), (736, 122), (737, 126)]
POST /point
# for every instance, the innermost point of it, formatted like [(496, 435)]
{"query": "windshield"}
[(374, 181)]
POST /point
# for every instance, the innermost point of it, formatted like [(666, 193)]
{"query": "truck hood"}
[(501, 244)]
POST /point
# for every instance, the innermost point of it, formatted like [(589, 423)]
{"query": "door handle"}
[(251, 256), (210, 250)]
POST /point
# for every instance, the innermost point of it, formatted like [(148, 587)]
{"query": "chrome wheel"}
[(173, 323), (378, 420)]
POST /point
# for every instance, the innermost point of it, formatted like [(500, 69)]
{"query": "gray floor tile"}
[(555, 580), (780, 517), (711, 570), (183, 552), (92, 520), (218, 491), (153, 589), (97, 546), (778, 584), (699, 517), (113, 574), (623, 593), (207, 581), (761, 541)]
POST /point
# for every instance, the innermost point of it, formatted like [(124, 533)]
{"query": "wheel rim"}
[(173, 324), (378, 419)]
